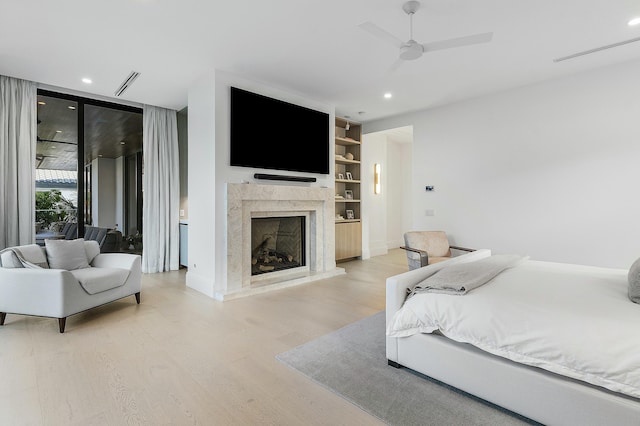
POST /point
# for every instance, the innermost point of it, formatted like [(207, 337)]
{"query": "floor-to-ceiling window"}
[(56, 164), (83, 161)]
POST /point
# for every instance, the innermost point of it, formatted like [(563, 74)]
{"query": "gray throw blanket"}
[(461, 278), (29, 256)]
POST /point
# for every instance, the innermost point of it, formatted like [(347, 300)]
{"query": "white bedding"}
[(569, 319)]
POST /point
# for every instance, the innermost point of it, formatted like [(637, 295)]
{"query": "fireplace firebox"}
[(277, 243)]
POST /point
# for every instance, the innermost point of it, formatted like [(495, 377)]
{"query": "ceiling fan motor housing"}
[(411, 50), (411, 7)]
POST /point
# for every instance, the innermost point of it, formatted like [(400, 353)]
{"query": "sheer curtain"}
[(18, 115), (161, 190)]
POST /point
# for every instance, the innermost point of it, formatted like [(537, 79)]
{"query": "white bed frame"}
[(535, 393)]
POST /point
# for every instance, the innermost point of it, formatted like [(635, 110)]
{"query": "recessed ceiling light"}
[(387, 95), (86, 80), (42, 103), (58, 131), (71, 107), (634, 21)]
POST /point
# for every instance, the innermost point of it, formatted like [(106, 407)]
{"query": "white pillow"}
[(66, 254), (92, 248)]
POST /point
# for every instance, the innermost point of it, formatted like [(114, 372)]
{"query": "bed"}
[(519, 341)]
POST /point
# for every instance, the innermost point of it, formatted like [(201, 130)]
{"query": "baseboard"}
[(378, 249), (200, 283)]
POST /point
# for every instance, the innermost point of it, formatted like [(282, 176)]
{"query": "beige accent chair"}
[(428, 247)]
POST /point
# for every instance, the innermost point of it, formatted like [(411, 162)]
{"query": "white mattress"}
[(569, 319)]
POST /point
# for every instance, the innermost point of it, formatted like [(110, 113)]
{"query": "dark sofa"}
[(109, 240)]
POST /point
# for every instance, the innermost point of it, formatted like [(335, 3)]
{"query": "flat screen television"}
[(268, 133)]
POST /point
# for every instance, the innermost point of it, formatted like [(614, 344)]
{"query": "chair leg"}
[(61, 323), (138, 298), (3, 315)]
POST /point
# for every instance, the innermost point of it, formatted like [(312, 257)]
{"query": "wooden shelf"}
[(348, 241), (345, 161), (347, 141)]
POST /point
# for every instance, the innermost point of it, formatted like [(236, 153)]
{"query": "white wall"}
[(548, 170), (103, 192), (201, 177), (399, 199), (209, 172), (374, 206)]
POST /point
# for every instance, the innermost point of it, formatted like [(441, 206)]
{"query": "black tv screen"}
[(268, 133)]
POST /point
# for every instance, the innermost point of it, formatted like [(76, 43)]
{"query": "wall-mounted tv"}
[(268, 133)]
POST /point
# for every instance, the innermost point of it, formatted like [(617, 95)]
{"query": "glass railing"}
[(53, 220)]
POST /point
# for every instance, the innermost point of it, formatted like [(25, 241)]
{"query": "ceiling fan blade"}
[(395, 66), (458, 42), (39, 139), (375, 30)]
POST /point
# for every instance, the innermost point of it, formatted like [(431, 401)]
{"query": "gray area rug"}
[(352, 363)]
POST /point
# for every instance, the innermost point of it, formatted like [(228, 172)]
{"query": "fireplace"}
[(277, 243), (311, 207)]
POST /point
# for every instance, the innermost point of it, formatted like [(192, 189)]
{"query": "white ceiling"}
[(311, 47), (397, 135)]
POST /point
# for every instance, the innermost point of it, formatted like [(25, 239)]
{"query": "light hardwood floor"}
[(181, 358)]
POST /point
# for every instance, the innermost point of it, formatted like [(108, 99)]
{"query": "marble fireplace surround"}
[(248, 200)]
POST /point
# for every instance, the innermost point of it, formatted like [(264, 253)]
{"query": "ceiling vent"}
[(597, 49), (127, 82)]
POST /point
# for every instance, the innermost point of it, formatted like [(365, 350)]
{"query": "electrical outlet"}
[(181, 212)]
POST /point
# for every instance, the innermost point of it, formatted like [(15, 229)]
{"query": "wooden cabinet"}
[(348, 211), (348, 240)]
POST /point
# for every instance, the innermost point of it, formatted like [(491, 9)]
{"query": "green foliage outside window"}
[(51, 207)]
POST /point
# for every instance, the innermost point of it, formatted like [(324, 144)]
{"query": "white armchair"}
[(59, 293)]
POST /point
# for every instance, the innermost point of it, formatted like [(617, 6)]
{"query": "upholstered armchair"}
[(427, 247), (64, 278)]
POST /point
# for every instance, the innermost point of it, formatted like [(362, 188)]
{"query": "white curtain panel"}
[(161, 190), (18, 116)]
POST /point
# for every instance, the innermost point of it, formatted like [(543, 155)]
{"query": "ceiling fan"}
[(411, 49), (39, 139), (40, 159)]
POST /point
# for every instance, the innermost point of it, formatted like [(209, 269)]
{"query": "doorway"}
[(390, 210)]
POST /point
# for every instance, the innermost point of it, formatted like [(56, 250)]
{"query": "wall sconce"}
[(376, 178)]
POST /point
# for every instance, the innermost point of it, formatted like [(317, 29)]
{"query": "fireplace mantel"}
[(245, 201)]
